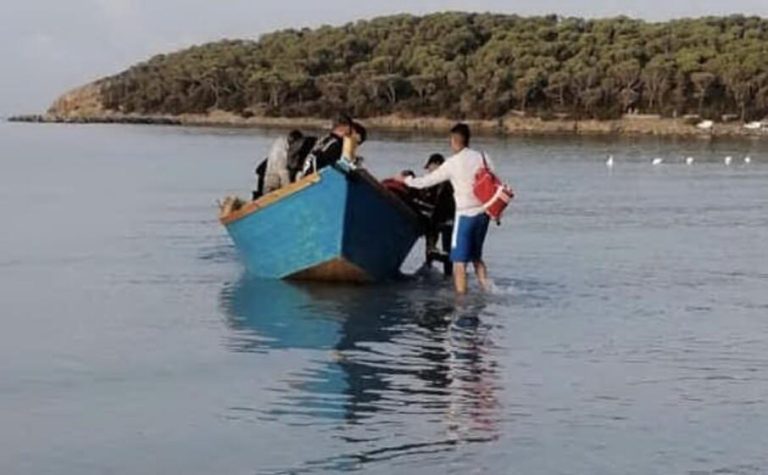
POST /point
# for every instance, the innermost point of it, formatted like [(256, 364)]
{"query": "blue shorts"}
[(468, 237)]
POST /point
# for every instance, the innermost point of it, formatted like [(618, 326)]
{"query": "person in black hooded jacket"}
[(328, 150), (440, 208)]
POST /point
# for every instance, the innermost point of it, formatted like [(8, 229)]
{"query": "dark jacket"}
[(326, 152), (297, 154), (438, 204)]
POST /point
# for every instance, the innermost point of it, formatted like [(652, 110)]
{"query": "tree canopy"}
[(464, 65)]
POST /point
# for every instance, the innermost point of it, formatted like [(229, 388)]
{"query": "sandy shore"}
[(627, 126)]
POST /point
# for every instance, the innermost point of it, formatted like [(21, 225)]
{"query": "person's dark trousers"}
[(446, 233), (442, 234)]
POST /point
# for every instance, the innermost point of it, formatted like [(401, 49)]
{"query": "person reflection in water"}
[(392, 361)]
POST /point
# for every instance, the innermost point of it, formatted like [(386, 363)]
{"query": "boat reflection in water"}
[(403, 358)]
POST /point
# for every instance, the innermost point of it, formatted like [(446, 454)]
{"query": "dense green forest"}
[(463, 65)]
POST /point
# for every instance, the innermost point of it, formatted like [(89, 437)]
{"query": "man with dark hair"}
[(277, 174), (462, 134), (294, 135), (471, 225), (328, 150)]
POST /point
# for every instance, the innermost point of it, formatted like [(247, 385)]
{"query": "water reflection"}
[(404, 359)]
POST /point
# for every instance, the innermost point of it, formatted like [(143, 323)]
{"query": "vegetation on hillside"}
[(462, 65)]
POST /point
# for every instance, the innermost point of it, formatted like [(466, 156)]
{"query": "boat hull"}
[(331, 226)]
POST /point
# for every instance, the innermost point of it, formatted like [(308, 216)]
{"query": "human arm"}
[(442, 174), (489, 162), (261, 168)]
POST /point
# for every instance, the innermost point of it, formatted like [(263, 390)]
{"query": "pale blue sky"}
[(48, 46)]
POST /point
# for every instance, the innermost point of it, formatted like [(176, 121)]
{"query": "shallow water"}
[(627, 332)]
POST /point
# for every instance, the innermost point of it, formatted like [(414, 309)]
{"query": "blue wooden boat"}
[(335, 225)]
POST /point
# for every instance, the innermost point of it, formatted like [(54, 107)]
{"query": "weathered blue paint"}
[(378, 236), (300, 231), (343, 216)]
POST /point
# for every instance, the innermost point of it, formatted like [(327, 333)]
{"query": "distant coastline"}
[(627, 126), (510, 75)]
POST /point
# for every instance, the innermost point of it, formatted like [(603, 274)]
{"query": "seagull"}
[(689, 161), (609, 162), (747, 160), (728, 160), (657, 161)]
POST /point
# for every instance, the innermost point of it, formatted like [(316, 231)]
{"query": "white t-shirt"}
[(460, 170)]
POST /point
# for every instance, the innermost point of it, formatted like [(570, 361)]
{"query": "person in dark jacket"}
[(440, 210), (328, 150)]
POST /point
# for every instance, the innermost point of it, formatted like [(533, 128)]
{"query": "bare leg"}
[(460, 277), (482, 275)]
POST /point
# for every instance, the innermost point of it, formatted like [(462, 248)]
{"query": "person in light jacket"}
[(471, 224), (277, 174)]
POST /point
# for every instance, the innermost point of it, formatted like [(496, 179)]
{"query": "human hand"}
[(404, 175)]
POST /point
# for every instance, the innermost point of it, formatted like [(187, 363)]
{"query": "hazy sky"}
[(48, 46)]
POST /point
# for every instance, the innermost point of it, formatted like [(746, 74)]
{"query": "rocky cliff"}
[(82, 102)]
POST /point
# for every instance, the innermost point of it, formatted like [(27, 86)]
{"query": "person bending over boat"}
[(277, 174), (328, 150), (440, 209), (471, 224)]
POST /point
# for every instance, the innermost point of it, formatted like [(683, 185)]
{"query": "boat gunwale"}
[(270, 199), (293, 188), (386, 193)]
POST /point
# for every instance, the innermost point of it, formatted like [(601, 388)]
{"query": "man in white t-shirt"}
[(471, 224)]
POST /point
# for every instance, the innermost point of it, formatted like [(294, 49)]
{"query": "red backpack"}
[(494, 194)]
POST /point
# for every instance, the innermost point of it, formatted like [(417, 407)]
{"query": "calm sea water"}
[(627, 334)]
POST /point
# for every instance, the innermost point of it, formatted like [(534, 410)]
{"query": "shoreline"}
[(508, 126)]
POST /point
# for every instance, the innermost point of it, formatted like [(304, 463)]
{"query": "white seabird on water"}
[(657, 161), (689, 161), (609, 162), (747, 160), (728, 160)]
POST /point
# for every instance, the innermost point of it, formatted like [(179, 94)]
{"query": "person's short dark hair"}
[(409, 173), (361, 131), (295, 136), (462, 130), (343, 120), (435, 159)]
